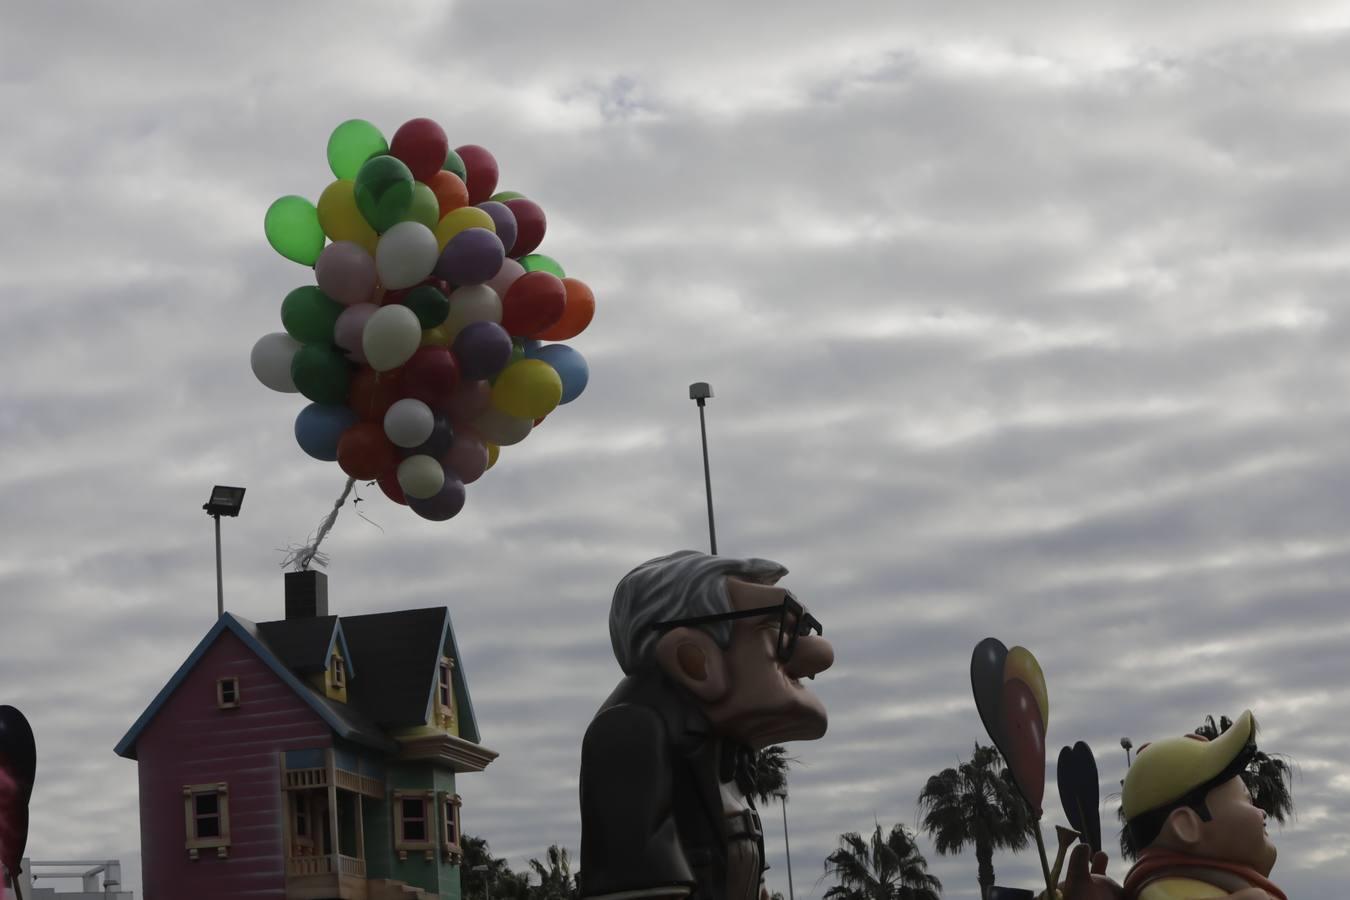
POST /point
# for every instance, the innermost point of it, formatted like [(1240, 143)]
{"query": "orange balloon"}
[(450, 191), (578, 311), (372, 393)]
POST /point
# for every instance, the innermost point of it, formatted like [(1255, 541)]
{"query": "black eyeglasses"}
[(787, 635)]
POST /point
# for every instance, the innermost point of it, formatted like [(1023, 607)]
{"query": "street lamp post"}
[(487, 885), (1126, 744), (700, 392), (787, 851), (225, 501)]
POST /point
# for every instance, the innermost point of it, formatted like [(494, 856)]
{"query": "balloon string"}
[(302, 558)]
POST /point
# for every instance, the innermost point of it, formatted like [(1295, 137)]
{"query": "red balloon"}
[(467, 402), (422, 146), (364, 451), (431, 375), (1024, 728), (533, 303), (372, 393), (530, 225), (467, 458), (388, 483), (577, 313), (481, 168)]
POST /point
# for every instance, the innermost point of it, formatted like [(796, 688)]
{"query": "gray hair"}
[(682, 585)]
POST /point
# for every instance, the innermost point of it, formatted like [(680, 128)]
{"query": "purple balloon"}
[(351, 324), (472, 257), (346, 272), (504, 219), (468, 458), (482, 349), (443, 504)]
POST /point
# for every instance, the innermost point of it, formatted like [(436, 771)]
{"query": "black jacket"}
[(651, 806)]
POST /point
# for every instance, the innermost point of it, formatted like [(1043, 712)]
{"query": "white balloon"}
[(409, 422), (271, 361), (405, 255), (502, 429), (506, 276), (421, 476), (472, 303), (392, 335)]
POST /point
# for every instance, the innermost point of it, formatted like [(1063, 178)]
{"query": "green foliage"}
[(771, 768)]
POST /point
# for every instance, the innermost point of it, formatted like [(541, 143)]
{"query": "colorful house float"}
[(309, 758)]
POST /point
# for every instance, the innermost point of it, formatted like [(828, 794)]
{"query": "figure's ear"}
[(694, 661), (1184, 827)]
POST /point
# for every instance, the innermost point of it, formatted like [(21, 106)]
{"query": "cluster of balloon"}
[(18, 765), (1015, 708), (1080, 792), (422, 344)]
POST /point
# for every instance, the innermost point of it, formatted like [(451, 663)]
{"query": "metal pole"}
[(220, 583), (707, 478), (787, 851)]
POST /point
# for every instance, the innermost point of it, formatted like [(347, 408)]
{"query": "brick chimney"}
[(306, 594)]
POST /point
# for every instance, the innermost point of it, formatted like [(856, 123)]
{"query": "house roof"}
[(305, 645), (346, 722), (399, 653)]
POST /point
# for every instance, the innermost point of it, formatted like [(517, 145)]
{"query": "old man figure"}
[(713, 653)]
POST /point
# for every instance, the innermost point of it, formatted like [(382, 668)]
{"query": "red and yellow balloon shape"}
[(1015, 708), (421, 345)]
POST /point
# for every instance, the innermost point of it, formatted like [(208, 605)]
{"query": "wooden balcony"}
[(335, 875)]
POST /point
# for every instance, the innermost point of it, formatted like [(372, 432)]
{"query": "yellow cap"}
[(1167, 770)]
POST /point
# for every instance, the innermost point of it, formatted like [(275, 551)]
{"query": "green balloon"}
[(538, 262), (351, 144), (425, 207), (308, 315), (321, 373), (503, 196), (431, 306), (293, 230), (453, 163), (384, 191)]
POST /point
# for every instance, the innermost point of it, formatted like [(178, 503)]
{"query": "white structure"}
[(88, 871)]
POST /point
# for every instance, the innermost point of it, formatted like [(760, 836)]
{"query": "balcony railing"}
[(334, 864)]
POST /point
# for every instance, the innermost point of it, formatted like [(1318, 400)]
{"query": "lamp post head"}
[(225, 501), (1126, 743), (700, 391)]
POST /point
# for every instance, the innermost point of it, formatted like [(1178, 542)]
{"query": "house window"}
[(227, 692), (206, 817), (413, 822), (445, 693), (450, 829), (301, 815), (340, 672)]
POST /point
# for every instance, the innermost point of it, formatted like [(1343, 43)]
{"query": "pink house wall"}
[(191, 741)]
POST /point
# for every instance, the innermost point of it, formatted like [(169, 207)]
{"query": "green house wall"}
[(435, 876)]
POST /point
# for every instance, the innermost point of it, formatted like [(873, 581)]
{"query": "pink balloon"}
[(506, 276), (346, 272), (351, 322), (468, 457), (468, 401), (1024, 727)]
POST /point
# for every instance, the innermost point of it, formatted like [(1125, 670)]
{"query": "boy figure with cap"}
[(714, 653), (1190, 821)]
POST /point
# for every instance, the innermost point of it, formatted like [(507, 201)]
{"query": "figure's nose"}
[(812, 655)]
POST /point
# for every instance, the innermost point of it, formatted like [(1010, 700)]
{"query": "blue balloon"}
[(570, 366), (319, 426)]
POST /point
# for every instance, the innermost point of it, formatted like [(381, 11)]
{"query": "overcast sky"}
[(1024, 320)]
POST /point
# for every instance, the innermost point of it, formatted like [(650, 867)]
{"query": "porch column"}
[(333, 810), (360, 826)]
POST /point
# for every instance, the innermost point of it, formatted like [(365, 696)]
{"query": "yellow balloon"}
[(457, 220), (1022, 665), (435, 337), (341, 220), (527, 389), (493, 452)]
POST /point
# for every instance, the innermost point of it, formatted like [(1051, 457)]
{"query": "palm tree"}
[(771, 768), (976, 804), (555, 879), (1268, 777), (880, 869), (496, 874)]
